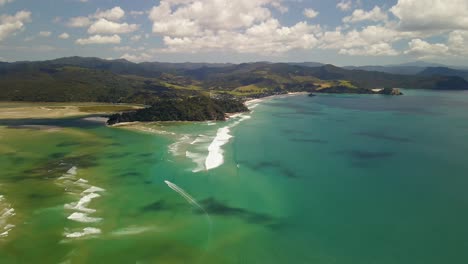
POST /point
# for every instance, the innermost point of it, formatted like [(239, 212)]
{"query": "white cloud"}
[(181, 18), (369, 35), (376, 14), (141, 57), (310, 13), (423, 49), (458, 42), (80, 21), (244, 26), (98, 39), (10, 24), (103, 26), (64, 36), (2, 2), (431, 15), (45, 33), (127, 49), (113, 14), (379, 49), (344, 5)]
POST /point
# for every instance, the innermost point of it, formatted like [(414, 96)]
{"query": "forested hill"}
[(94, 79)]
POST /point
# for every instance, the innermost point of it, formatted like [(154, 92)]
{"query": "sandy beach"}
[(16, 110)]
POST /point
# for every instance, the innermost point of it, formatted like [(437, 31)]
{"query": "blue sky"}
[(342, 32)]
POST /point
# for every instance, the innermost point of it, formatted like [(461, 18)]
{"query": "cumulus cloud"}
[(45, 33), (64, 36), (376, 14), (370, 35), (379, 49), (141, 57), (310, 13), (424, 49), (113, 14), (267, 38), (80, 21), (10, 24), (245, 26), (344, 5), (430, 15), (98, 39), (103, 26), (2, 2), (458, 42), (178, 20)]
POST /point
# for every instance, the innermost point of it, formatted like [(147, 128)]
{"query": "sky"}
[(340, 32)]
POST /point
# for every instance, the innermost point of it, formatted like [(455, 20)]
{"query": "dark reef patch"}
[(68, 144), (377, 135), (130, 174), (52, 169), (275, 165), (117, 155), (157, 206), (367, 155), (57, 155), (216, 207), (309, 140)]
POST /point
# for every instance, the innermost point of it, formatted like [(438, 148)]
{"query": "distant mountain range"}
[(417, 67), (94, 79)]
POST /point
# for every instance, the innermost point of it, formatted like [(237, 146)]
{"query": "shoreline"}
[(261, 99)]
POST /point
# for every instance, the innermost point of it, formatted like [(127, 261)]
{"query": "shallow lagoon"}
[(327, 179)]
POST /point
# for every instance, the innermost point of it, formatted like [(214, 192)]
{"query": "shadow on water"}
[(275, 165), (130, 174), (14, 158), (377, 135), (38, 124), (214, 207), (309, 140), (54, 168), (366, 155), (158, 206), (218, 208)]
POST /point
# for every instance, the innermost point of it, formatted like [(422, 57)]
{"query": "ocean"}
[(326, 179)]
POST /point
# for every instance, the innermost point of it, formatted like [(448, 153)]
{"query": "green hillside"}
[(117, 81)]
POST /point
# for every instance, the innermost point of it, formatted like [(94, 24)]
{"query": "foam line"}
[(215, 156), (86, 231), (83, 218)]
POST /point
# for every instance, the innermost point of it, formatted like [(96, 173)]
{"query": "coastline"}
[(261, 99)]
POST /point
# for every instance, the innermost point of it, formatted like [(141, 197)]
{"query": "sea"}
[(342, 179)]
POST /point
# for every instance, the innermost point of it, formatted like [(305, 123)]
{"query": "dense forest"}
[(198, 108)]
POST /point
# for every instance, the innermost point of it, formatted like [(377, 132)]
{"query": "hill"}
[(119, 81), (444, 71)]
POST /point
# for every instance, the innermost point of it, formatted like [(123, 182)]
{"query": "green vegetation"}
[(78, 79), (106, 108), (198, 108)]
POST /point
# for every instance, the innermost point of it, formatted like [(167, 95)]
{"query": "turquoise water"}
[(325, 179)]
